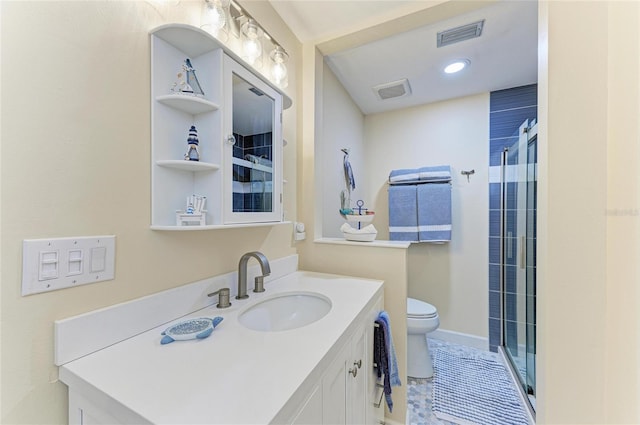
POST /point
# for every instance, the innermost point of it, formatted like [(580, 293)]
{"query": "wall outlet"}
[(51, 264)]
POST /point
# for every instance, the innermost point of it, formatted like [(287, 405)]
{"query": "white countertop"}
[(236, 375)]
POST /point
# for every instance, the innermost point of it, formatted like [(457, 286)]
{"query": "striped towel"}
[(403, 216), (434, 212), (440, 173)]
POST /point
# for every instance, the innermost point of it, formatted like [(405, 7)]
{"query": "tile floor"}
[(420, 391)]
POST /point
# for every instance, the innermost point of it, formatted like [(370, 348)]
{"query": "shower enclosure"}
[(518, 258)]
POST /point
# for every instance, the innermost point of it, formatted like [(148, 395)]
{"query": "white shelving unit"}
[(173, 179), (190, 104), (195, 166)]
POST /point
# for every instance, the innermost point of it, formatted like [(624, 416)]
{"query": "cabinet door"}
[(334, 390), (311, 412), (357, 365), (252, 148)]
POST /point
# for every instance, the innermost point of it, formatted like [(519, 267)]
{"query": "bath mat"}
[(468, 389)]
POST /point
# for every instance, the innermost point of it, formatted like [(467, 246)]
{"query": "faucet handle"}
[(259, 286), (223, 297)]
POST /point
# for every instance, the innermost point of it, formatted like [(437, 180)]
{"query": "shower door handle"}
[(523, 252)]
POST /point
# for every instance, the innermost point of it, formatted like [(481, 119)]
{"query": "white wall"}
[(388, 264), (453, 276), (342, 127), (76, 161), (589, 222)]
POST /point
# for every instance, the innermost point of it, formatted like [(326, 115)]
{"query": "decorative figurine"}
[(193, 152), (187, 81)]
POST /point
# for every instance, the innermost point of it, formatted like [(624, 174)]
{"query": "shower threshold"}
[(527, 400)]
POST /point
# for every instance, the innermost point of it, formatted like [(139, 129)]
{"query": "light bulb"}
[(214, 18), (456, 66), (252, 50), (279, 70), (251, 46)]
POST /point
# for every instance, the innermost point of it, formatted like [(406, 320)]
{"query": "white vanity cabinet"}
[(321, 373), (347, 392), (253, 174)]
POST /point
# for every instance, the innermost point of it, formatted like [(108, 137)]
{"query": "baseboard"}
[(388, 421), (453, 337)]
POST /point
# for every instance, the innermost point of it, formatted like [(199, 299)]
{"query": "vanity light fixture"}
[(457, 66), (224, 18), (251, 35), (279, 58)]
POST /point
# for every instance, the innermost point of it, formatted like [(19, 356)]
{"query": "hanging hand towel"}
[(381, 359), (392, 378), (434, 212), (403, 217)]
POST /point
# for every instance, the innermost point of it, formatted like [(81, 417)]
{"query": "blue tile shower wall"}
[(507, 111)]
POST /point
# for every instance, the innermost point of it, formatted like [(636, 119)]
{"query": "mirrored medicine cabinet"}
[(253, 185), (216, 157)]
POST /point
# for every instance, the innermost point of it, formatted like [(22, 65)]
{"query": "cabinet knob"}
[(231, 139), (358, 363), (354, 371)]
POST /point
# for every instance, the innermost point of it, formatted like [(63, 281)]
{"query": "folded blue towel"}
[(403, 216), (439, 173), (404, 176), (434, 212)]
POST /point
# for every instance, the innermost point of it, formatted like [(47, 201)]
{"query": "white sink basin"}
[(285, 311)]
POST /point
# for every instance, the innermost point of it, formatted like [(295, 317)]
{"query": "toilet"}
[(422, 318)]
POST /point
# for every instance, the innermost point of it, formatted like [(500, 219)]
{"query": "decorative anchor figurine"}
[(187, 81), (193, 152)]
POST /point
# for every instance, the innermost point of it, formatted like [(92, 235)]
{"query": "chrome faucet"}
[(242, 273)]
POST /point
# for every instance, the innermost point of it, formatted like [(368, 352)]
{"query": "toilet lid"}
[(417, 308)]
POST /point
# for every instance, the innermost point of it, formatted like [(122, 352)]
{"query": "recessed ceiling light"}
[(457, 66)]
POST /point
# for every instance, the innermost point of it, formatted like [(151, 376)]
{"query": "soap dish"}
[(198, 328)]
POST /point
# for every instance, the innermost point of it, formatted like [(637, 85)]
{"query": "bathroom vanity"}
[(318, 373)]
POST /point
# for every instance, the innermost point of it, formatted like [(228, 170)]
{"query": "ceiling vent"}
[(394, 89), (455, 35)]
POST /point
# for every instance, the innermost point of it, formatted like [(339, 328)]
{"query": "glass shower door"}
[(518, 275)]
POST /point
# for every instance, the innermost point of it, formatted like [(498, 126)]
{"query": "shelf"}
[(216, 226), (196, 166), (195, 42), (252, 165), (188, 103)]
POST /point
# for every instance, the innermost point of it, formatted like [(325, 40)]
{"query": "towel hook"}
[(467, 173)]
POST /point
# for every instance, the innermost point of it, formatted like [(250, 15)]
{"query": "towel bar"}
[(378, 385)]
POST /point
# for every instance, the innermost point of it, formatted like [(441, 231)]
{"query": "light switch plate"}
[(51, 264)]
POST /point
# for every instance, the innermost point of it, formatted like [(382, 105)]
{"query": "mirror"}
[(253, 154)]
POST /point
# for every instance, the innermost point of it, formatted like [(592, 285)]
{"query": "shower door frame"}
[(521, 174)]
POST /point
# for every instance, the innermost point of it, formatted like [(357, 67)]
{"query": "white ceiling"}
[(504, 56)]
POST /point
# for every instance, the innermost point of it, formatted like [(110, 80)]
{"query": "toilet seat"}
[(417, 309)]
